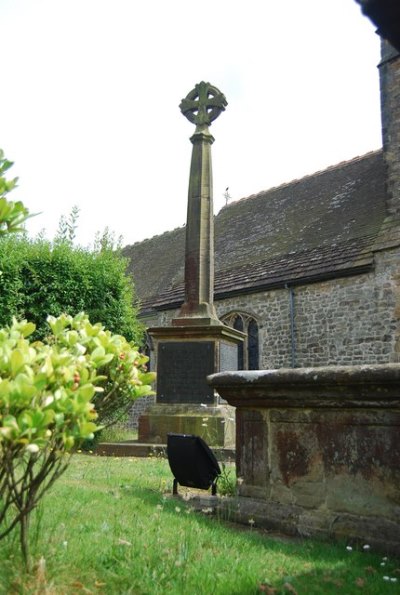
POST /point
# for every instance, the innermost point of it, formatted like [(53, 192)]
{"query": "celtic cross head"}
[(203, 104)]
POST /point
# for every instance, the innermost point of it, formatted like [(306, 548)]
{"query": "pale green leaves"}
[(17, 361), (115, 365), (12, 214), (100, 357), (45, 393), (49, 391)]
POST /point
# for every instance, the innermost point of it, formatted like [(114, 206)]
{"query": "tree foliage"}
[(40, 278)]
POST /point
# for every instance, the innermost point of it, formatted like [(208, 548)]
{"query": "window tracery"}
[(248, 352)]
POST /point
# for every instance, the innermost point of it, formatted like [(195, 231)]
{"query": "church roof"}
[(319, 227)]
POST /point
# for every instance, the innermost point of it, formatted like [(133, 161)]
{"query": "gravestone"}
[(197, 343)]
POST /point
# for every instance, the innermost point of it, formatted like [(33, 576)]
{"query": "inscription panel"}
[(182, 370), (228, 357)]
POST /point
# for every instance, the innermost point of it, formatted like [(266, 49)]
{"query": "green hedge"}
[(40, 278)]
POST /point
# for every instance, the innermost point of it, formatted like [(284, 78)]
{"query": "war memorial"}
[(197, 343)]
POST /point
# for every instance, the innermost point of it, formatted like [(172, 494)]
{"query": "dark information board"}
[(182, 370)]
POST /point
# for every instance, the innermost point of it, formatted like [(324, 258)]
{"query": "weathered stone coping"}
[(198, 331), (327, 386), (133, 448)]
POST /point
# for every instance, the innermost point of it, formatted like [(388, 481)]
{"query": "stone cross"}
[(203, 104), (201, 107)]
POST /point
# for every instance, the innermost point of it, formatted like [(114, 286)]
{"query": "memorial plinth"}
[(197, 344), (186, 404)]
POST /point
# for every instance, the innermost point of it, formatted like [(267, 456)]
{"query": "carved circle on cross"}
[(203, 104)]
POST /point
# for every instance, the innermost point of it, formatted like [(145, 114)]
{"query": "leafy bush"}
[(39, 278), (119, 364), (49, 392)]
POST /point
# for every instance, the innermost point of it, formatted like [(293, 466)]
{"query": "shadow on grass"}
[(328, 566)]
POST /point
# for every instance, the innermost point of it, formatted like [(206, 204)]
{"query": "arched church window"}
[(239, 326), (248, 352), (252, 345)]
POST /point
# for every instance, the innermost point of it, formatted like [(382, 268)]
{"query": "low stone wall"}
[(318, 450)]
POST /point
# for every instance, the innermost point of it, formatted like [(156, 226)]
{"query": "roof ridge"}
[(319, 172), (155, 237)]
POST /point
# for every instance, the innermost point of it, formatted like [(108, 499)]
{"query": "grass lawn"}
[(109, 526)]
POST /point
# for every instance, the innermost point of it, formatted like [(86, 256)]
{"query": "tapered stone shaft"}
[(201, 106)]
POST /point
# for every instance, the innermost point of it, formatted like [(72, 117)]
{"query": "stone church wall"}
[(352, 320), (389, 71)]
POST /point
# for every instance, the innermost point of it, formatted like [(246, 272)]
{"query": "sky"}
[(91, 91)]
